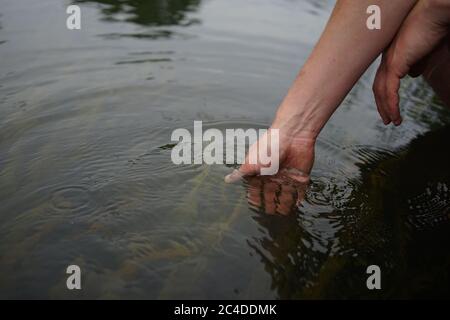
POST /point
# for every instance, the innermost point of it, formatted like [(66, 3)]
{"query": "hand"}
[(315, 94), (421, 33), (283, 191), (295, 154), (279, 194)]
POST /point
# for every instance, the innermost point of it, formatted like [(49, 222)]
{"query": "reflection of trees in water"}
[(291, 254), (397, 217), (149, 12)]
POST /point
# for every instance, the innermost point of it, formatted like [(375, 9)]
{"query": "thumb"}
[(245, 170)]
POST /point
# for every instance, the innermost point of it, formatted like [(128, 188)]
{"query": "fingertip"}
[(233, 177)]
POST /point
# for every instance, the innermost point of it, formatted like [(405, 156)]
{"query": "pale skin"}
[(332, 70), (421, 47)]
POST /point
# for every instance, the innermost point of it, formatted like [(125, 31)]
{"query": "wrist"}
[(297, 124)]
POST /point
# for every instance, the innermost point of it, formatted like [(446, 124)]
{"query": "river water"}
[(86, 176)]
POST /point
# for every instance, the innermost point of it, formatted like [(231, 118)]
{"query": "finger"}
[(250, 167), (392, 98), (300, 196), (270, 199), (233, 177), (377, 92), (246, 170), (254, 193), (286, 200), (301, 180), (384, 98)]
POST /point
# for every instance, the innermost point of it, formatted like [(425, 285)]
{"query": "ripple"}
[(367, 154), (71, 199), (330, 192), (86, 170), (431, 208)]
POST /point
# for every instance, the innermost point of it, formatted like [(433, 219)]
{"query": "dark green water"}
[(85, 178)]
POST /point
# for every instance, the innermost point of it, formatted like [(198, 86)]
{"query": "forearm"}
[(345, 50)]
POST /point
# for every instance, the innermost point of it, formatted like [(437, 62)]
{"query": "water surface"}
[(86, 177)]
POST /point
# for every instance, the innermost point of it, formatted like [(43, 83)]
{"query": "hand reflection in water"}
[(279, 194)]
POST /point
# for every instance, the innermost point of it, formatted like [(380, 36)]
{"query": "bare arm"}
[(343, 53), (420, 47)]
